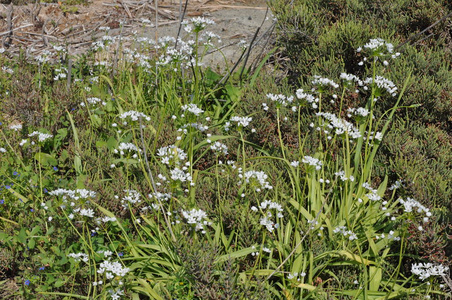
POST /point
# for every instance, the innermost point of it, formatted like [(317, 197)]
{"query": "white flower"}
[(341, 126), (193, 108), (259, 177), (378, 43), (178, 174), (171, 154), (312, 162), (196, 217), (241, 121), (383, 83), (94, 101), (295, 163), (79, 256), (301, 95), (15, 127), (134, 115), (318, 80), (219, 147), (346, 233), (269, 224), (280, 99), (425, 270), (127, 147), (360, 111), (132, 196), (113, 268), (87, 212), (41, 136)]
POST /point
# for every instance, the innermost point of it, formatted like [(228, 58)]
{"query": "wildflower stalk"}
[(299, 243), (154, 187), (279, 134)]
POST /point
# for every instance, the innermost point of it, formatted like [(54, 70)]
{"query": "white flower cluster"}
[(43, 57), (295, 276), (318, 80), (127, 147), (257, 178), (93, 101), (196, 216), (180, 175), (378, 44), (281, 100), (341, 174), (172, 56), (197, 126), (60, 74), (171, 154), (267, 204), (3, 150), (312, 162), (208, 36), (264, 249), (42, 137), (161, 196), (199, 23), (104, 43), (79, 256), (373, 193), (383, 83), (396, 185), (193, 108), (241, 121), (16, 127), (266, 221), (351, 78), (112, 269), (360, 111), (346, 233), (219, 147), (390, 236), (341, 126), (410, 204), (73, 194), (301, 95), (85, 212), (115, 295), (134, 116), (132, 196), (376, 135), (425, 270)]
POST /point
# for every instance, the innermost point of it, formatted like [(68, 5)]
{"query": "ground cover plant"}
[(137, 172)]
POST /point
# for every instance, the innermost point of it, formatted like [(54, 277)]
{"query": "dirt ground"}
[(36, 27)]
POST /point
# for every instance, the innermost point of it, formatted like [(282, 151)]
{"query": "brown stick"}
[(431, 26), (126, 9), (9, 25)]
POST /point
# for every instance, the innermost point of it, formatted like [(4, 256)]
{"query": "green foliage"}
[(321, 37), (150, 177)]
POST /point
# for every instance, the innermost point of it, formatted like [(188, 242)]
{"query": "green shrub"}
[(321, 37)]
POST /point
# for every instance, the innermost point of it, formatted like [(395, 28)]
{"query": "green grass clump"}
[(321, 37), (137, 173)]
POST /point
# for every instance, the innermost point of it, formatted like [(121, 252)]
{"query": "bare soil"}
[(36, 27)]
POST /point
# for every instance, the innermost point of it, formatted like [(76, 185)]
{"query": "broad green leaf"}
[(355, 257), (148, 289), (375, 274), (46, 159), (306, 286), (236, 254)]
